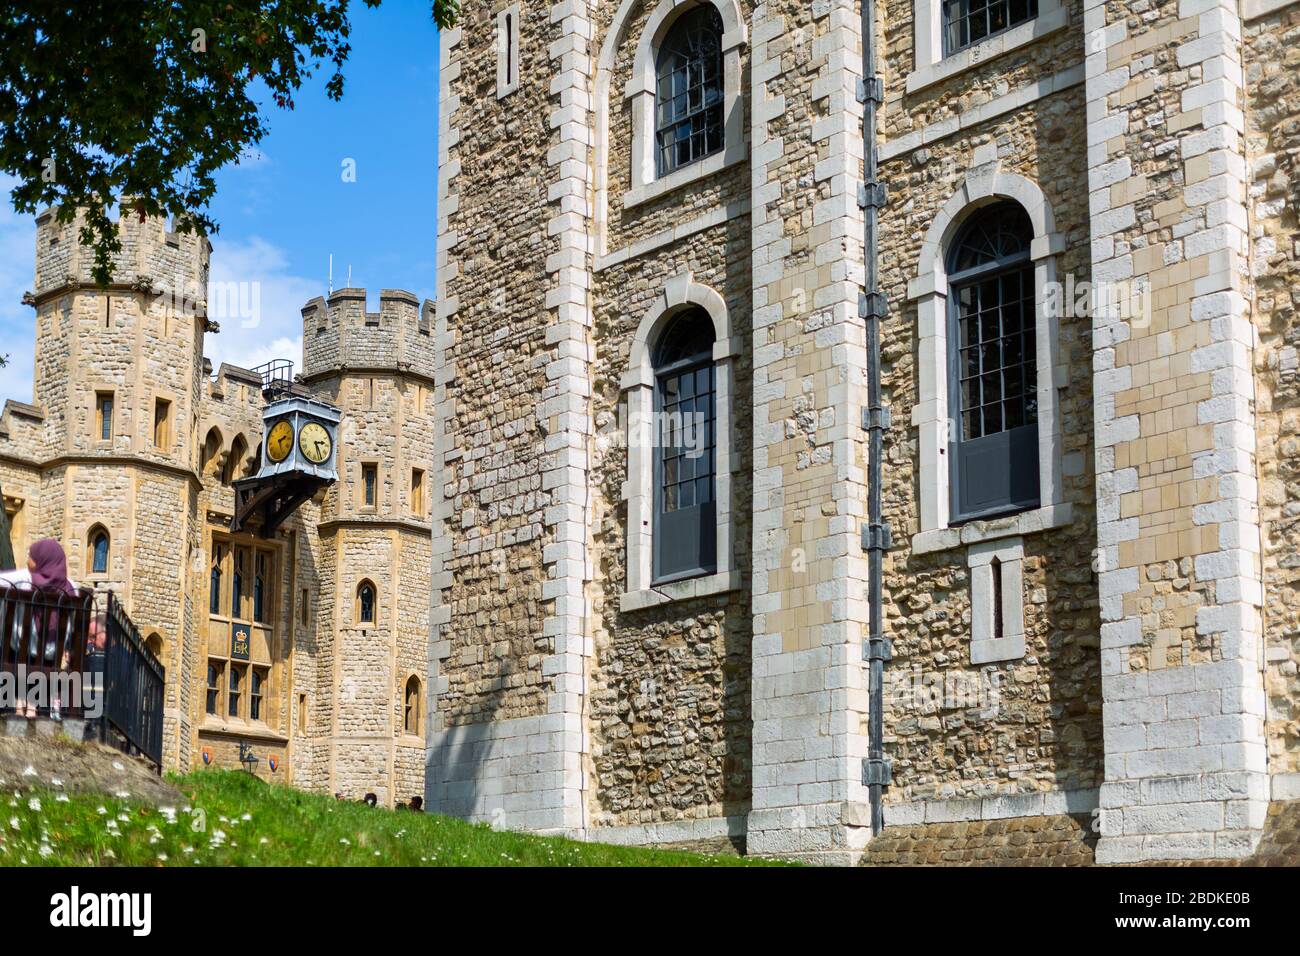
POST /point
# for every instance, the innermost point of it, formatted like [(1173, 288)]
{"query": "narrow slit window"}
[(999, 629), (162, 417), (508, 42), (104, 415), (369, 485), (417, 492)]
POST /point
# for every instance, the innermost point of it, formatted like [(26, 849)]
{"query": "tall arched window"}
[(99, 545), (214, 578), (235, 460), (689, 121), (685, 425), (211, 450), (993, 370), (412, 709), (365, 610)]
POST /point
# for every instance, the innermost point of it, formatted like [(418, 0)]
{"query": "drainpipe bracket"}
[(877, 772), (873, 305), (880, 418), (871, 89), (878, 649), (877, 537), (873, 195)]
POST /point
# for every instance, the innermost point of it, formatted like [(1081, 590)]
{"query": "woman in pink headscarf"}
[(47, 569)]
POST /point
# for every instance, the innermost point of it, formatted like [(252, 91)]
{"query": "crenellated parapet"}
[(340, 335), (154, 258)]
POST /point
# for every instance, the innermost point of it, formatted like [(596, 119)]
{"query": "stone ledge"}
[(1046, 518), (680, 178), (706, 586)]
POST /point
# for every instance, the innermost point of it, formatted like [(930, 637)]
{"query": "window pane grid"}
[(998, 356), (687, 439), (689, 100), (969, 21)]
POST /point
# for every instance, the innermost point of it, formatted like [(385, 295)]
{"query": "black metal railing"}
[(43, 638), (76, 657), (277, 377), (133, 686)]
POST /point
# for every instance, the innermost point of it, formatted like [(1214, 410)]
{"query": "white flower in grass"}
[(187, 850), (101, 810), (56, 782), (263, 841), (246, 816), (110, 855), (162, 857), (46, 850), (123, 794), (15, 823), (62, 798), (34, 805), (344, 840), (29, 771)]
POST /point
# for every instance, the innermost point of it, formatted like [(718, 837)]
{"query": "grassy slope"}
[(249, 823)]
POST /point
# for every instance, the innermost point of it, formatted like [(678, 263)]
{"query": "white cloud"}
[(257, 301), (17, 273)]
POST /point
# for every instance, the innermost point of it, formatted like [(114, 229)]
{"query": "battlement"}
[(154, 256), (339, 334)]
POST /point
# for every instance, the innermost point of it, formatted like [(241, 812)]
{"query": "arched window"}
[(993, 365), (214, 578), (98, 552), (413, 707), (689, 120), (154, 643), (685, 425), (235, 460), (365, 612), (211, 450)]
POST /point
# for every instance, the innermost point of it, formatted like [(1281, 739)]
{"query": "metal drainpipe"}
[(876, 538)]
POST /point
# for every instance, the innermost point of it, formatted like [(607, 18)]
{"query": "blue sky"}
[(286, 209)]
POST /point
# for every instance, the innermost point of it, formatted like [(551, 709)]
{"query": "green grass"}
[(233, 819)]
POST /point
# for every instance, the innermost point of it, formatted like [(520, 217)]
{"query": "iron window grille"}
[(966, 22), (689, 98)]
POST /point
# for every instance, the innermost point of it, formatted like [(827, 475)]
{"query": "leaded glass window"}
[(689, 122), (968, 21)]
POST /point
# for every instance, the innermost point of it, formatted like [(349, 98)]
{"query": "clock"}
[(280, 440), (315, 443)]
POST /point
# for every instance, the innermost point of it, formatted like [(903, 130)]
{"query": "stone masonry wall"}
[(1043, 731), (1272, 70), (670, 685)]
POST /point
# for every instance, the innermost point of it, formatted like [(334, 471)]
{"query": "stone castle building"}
[(128, 454), (667, 263)]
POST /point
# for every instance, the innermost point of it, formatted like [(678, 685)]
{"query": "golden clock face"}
[(315, 443), (280, 442)]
